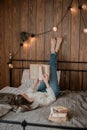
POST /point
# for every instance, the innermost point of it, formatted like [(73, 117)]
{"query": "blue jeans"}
[(53, 76)]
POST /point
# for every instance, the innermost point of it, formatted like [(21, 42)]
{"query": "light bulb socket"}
[(23, 36), (80, 7), (32, 35), (69, 7), (21, 44)]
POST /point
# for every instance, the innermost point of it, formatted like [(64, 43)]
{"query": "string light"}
[(85, 30), (21, 44), (54, 29), (10, 61), (32, 35), (25, 44), (10, 66), (84, 7), (81, 7), (72, 9), (24, 35)]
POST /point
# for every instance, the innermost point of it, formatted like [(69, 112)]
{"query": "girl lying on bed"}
[(48, 89)]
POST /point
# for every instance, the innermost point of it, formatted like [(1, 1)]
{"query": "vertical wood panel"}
[(7, 36), (75, 46), (66, 23), (48, 25), (83, 46), (16, 37), (85, 49), (59, 12), (32, 28), (24, 26), (81, 50), (57, 15), (2, 70), (39, 29)]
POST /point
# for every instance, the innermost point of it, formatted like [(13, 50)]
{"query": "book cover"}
[(36, 70)]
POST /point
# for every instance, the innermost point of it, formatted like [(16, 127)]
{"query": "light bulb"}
[(25, 45), (85, 30), (73, 10), (10, 65), (54, 29), (84, 6)]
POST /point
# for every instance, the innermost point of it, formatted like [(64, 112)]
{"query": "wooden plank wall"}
[(38, 16)]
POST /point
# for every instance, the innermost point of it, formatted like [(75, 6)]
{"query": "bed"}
[(75, 102), (37, 119)]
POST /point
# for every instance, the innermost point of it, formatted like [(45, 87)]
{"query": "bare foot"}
[(59, 41), (53, 44)]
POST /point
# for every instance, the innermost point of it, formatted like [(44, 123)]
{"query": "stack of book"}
[(58, 114)]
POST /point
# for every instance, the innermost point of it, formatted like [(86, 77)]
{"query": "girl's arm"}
[(34, 84)]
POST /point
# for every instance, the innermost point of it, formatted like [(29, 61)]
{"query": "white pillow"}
[(28, 82), (25, 78)]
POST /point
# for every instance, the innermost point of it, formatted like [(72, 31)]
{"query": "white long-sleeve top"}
[(41, 98)]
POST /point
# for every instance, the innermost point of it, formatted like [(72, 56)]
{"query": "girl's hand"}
[(45, 78), (35, 83)]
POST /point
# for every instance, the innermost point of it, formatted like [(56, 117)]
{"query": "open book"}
[(36, 70)]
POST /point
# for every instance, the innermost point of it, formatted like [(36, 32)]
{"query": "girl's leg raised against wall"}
[(55, 45), (42, 86)]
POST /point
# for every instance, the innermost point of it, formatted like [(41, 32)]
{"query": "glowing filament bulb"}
[(54, 29), (85, 30), (84, 6)]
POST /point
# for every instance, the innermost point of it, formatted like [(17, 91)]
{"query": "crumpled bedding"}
[(4, 109), (5, 100), (76, 102)]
